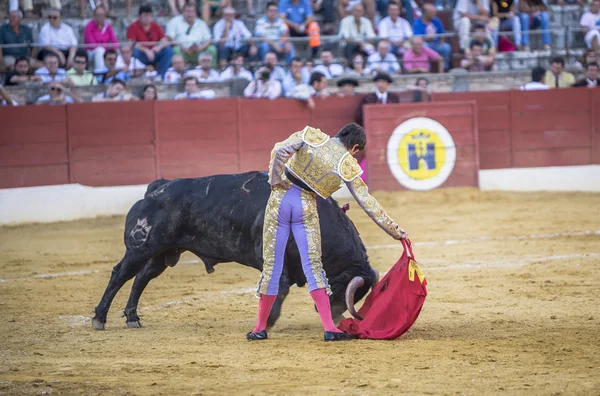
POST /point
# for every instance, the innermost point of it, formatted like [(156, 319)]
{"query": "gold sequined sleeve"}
[(280, 155), (360, 192)]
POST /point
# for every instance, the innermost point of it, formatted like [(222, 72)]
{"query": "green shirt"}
[(87, 78)]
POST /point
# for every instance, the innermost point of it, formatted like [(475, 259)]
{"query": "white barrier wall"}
[(47, 204)]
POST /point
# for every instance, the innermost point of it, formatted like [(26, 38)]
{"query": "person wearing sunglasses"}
[(152, 47), (58, 38), (57, 95), (78, 75)]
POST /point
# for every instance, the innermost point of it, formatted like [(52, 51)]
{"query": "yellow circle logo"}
[(421, 154)]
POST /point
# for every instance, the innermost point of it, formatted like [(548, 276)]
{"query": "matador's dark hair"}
[(352, 134)]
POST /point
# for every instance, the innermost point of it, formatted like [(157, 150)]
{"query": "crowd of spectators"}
[(378, 37)]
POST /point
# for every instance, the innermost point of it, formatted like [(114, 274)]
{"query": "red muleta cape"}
[(394, 304)]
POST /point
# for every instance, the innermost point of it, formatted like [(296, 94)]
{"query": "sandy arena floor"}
[(503, 316)]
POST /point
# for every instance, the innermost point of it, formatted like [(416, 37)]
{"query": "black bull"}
[(220, 219)]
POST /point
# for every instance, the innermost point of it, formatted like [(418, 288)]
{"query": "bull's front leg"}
[(284, 289)]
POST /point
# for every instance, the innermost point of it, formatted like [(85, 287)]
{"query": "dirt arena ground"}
[(513, 308)]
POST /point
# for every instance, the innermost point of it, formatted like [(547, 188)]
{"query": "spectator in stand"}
[(191, 35), (591, 77), (127, 63), (395, 29), (177, 70), (156, 49), (357, 67), (295, 76), (192, 91), (6, 99), (327, 7), (263, 86), (429, 26), (316, 88), (22, 74), (78, 75), (57, 95), (204, 72), (383, 60), (537, 80), (347, 86), (590, 21), (557, 77), (418, 59), (588, 56), (345, 8), (421, 91), (488, 49), (298, 15), (357, 33), (327, 67), (465, 14), (27, 6), (105, 4), (99, 33), (58, 38), (232, 36), (538, 10), (381, 95), (111, 71), (51, 70), (309, 67), (273, 31), (149, 92), (13, 33), (504, 10), (277, 72), (236, 69), (115, 92), (475, 61)]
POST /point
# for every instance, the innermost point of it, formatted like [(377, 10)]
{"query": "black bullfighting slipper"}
[(259, 335), (333, 336)]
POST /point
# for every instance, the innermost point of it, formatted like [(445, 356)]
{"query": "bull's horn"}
[(354, 284), (376, 281)]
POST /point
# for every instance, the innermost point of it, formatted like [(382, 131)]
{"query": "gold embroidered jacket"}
[(323, 164)]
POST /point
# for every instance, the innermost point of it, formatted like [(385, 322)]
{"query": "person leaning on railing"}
[(11, 33), (22, 74)]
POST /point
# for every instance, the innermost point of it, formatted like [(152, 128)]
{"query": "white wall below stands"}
[(46, 204), (552, 178)]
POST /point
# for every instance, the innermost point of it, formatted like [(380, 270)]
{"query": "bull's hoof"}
[(136, 324), (97, 324)]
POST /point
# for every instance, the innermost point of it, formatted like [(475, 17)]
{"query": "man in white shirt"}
[(51, 72), (467, 12), (357, 32), (191, 34), (383, 60), (537, 80), (277, 72), (272, 32), (395, 28), (204, 72), (230, 36), (177, 70), (316, 88), (58, 38), (236, 69), (191, 90), (589, 22), (329, 69), (128, 63)]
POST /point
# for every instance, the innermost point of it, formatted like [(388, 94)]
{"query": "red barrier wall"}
[(459, 118), (137, 142), (535, 128)]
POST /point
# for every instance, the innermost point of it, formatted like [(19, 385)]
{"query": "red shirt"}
[(136, 32)]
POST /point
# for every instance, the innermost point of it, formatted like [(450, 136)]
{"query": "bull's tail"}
[(155, 185)]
